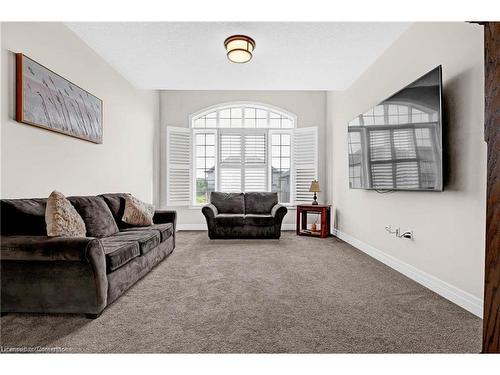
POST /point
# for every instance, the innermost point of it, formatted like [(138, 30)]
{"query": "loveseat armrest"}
[(165, 216), (279, 211), (210, 211)]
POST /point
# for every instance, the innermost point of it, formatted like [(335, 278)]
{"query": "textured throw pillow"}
[(138, 213), (61, 217)]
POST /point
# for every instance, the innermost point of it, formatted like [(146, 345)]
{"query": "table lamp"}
[(314, 189)]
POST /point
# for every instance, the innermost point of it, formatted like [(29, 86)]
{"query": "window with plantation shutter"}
[(305, 152), (243, 161), (242, 147), (178, 166)]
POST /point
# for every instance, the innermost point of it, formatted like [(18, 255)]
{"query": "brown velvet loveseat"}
[(41, 274)]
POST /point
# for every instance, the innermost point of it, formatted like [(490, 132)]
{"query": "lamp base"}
[(315, 202)]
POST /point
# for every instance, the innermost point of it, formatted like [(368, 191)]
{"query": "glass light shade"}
[(314, 187), (239, 56), (239, 48)]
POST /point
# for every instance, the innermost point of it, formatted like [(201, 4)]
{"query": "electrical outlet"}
[(398, 233)]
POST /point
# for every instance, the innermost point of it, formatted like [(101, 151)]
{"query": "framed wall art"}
[(47, 100)]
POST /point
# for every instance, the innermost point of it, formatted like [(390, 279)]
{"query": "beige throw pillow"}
[(137, 212), (61, 217)]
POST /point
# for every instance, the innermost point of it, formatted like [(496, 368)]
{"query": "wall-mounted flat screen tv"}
[(397, 145)]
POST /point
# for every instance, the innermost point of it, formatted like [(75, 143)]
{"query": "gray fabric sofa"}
[(244, 215), (41, 274)]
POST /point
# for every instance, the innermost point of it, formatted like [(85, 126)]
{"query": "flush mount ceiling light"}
[(239, 48)]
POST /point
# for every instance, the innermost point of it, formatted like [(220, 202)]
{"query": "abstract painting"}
[(47, 100)]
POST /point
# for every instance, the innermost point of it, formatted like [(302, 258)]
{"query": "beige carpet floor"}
[(294, 295)]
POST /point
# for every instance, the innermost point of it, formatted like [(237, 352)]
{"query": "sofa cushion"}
[(119, 253), (116, 204), (259, 220), (260, 203), (228, 203), (165, 230), (23, 217), (147, 239), (96, 214), (230, 220)]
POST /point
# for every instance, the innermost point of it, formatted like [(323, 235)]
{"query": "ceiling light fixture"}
[(239, 48)]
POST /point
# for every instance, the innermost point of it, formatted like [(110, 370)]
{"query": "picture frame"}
[(47, 100)]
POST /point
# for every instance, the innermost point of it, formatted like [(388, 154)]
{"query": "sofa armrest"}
[(279, 211), (210, 211), (53, 274), (43, 248), (165, 216)]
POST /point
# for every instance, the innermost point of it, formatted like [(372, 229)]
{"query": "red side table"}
[(321, 209)]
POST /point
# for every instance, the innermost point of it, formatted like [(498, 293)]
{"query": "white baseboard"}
[(448, 291), (204, 226), (192, 226)]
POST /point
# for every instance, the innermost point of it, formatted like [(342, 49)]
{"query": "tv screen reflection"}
[(397, 145)]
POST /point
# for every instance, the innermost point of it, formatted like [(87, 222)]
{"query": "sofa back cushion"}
[(116, 204), (96, 214), (228, 203), (23, 217), (260, 202)]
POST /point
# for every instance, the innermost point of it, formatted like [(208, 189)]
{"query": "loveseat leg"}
[(92, 316)]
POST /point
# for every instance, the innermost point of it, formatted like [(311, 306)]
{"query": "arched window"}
[(243, 115), (242, 147)]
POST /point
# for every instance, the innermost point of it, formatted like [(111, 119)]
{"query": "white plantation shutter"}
[(255, 179), (305, 153), (255, 148), (255, 175), (242, 162), (230, 148), (230, 151), (178, 166), (230, 180)]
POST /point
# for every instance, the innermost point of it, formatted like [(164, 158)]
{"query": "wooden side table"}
[(323, 210)]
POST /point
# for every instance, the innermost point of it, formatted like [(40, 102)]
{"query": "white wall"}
[(448, 226), (36, 161), (176, 106)]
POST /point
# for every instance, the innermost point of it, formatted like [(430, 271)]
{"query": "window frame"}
[(194, 156), (218, 131), (271, 132)]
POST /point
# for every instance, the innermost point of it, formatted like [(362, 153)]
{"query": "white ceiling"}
[(191, 55)]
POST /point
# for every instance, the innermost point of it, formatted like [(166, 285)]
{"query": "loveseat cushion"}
[(260, 202), (96, 214), (147, 239), (23, 217), (119, 253), (259, 220), (165, 230), (228, 203), (230, 220)]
